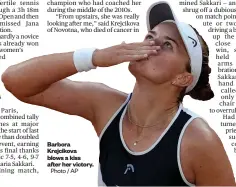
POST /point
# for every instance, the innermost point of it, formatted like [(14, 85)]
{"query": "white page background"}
[(55, 126)]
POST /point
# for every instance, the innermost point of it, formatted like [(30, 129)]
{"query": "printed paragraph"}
[(19, 145), (218, 17), (93, 16), (13, 16)]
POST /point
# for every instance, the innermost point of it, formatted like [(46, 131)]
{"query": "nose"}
[(157, 41)]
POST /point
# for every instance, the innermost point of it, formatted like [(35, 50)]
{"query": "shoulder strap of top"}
[(114, 115)]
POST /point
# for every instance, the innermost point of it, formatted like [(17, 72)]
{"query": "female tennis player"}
[(147, 137)]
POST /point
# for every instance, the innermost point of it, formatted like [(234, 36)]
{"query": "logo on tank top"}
[(129, 167)]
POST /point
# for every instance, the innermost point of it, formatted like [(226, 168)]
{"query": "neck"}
[(151, 105)]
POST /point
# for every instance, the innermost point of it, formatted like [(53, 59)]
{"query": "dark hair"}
[(202, 91)]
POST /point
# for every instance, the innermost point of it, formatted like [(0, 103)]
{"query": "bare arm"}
[(42, 80), (35, 75), (210, 162)]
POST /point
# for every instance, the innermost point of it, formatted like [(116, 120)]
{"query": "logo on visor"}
[(194, 42)]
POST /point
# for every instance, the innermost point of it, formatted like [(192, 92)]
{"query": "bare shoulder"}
[(202, 138), (209, 160), (111, 102), (91, 100), (200, 130)]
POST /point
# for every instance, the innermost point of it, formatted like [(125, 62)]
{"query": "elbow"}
[(9, 81), (6, 79)]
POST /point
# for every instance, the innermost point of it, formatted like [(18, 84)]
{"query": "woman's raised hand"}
[(123, 53)]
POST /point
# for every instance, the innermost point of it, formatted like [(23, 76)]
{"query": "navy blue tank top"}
[(157, 166)]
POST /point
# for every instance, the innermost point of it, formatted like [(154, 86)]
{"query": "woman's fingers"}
[(156, 48), (145, 47), (140, 52), (134, 57), (137, 51), (139, 44), (124, 53), (149, 48)]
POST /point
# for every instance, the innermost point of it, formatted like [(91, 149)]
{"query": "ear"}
[(183, 80)]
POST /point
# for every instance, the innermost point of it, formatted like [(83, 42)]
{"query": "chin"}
[(137, 68), (133, 66), (142, 70)]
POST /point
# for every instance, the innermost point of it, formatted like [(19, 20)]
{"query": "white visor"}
[(161, 12)]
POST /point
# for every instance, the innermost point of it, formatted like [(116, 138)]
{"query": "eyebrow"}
[(166, 37), (152, 32)]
